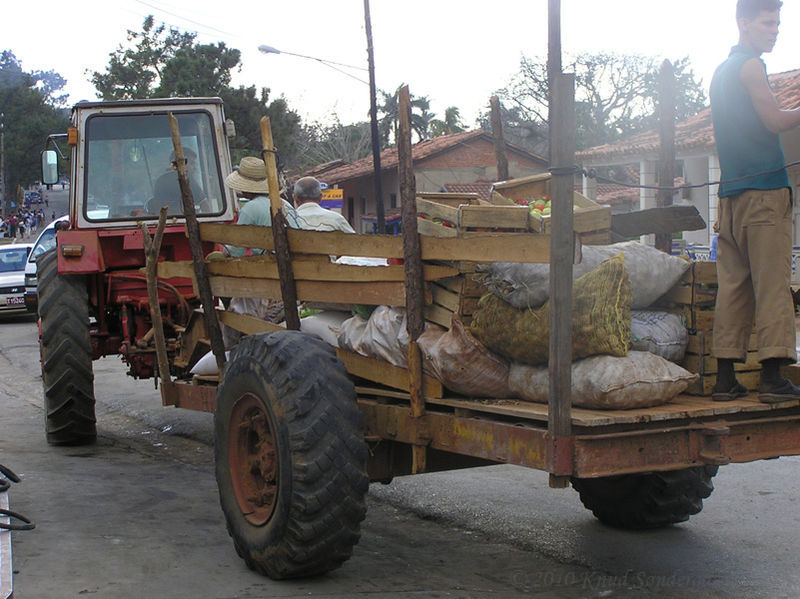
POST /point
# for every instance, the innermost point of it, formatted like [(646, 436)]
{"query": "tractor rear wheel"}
[(652, 500), (290, 455), (67, 375)]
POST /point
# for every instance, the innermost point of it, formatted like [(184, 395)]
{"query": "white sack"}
[(660, 333), (325, 325), (652, 273), (638, 380), (207, 365)]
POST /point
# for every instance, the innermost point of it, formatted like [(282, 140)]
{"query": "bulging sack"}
[(660, 333), (462, 364), (652, 273), (638, 380), (601, 319)]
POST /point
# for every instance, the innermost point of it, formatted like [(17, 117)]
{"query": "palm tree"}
[(421, 118), (451, 123)]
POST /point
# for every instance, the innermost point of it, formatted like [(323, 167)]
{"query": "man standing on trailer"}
[(755, 212)]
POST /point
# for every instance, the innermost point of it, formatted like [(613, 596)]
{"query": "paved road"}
[(138, 515)]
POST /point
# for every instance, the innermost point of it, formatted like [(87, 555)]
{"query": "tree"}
[(615, 95), (389, 112), (28, 103), (165, 63), (327, 143), (135, 72), (198, 70), (451, 123)]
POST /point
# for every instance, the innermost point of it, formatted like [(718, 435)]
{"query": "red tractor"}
[(93, 298)]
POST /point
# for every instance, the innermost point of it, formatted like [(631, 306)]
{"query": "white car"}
[(13, 257), (45, 241)]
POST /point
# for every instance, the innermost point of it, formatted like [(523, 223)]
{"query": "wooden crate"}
[(454, 295), (591, 220), (464, 215)]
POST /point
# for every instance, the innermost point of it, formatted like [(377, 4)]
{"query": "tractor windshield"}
[(129, 171)]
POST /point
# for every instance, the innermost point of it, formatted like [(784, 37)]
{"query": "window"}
[(129, 170)]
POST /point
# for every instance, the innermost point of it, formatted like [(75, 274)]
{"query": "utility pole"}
[(6, 206), (373, 116)]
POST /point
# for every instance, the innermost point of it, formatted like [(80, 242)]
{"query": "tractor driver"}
[(167, 190)]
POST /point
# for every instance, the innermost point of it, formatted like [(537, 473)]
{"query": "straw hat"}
[(251, 176)]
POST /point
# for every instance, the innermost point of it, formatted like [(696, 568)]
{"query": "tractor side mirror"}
[(49, 167)]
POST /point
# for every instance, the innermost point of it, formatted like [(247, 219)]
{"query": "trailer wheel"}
[(67, 376), (653, 500), (290, 455)]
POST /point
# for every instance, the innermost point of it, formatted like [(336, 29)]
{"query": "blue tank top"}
[(744, 145)]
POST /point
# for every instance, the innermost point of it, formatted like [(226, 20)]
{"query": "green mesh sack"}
[(601, 319)]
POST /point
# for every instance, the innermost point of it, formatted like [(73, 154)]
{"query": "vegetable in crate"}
[(601, 319)]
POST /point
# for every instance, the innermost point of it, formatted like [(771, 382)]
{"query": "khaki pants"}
[(754, 255)]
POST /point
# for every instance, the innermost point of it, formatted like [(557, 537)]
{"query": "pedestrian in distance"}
[(755, 212)]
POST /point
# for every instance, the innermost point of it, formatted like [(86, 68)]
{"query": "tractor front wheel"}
[(67, 376)]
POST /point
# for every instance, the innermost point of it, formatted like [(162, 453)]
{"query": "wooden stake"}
[(195, 245), (415, 281), (499, 142), (562, 157), (279, 225), (152, 247), (666, 160)]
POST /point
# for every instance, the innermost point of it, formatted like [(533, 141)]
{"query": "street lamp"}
[(376, 154)]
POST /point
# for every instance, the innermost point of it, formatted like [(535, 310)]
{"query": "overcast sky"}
[(455, 52)]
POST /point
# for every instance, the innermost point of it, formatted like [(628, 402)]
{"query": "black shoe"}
[(782, 391), (738, 390)]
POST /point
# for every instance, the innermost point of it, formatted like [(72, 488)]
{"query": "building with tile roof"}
[(695, 150), (460, 158)]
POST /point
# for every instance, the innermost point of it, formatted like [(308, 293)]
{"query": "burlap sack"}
[(652, 273), (601, 319), (462, 364), (638, 380)]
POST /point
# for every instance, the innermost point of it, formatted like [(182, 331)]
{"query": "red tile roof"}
[(482, 187), (419, 151), (696, 132)]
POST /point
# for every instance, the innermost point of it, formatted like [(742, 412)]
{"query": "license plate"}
[(15, 301)]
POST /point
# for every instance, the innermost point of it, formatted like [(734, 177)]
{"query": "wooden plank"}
[(439, 314), (391, 293), (705, 273), (497, 247), (468, 305), (700, 343), (691, 295), (455, 284), (502, 217), (449, 198), (249, 325), (703, 386), (386, 374), (445, 297), (431, 229), (657, 220), (708, 365), (265, 267), (700, 320)]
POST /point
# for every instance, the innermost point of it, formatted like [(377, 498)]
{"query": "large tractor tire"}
[(652, 500), (290, 455), (67, 375)]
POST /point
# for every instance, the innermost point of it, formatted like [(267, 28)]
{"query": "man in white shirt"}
[(310, 215)]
